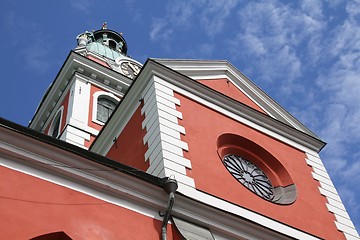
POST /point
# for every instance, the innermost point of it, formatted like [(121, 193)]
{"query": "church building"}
[(169, 149)]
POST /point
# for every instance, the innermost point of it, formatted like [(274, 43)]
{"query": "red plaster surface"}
[(129, 148), (31, 207), (98, 61), (203, 127), (226, 87)]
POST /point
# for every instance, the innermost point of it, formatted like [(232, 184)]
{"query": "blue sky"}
[(305, 54)]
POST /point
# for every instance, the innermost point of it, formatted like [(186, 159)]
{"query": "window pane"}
[(105, 108), (56, 126)]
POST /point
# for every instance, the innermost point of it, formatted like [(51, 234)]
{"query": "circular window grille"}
[(249, 175)]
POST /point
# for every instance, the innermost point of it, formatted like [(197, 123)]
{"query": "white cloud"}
[(177, 18), (334, 3), (160, 30), (83, 6), (208, 16), (214, 15), (338, 93), (36, 56), (312, 7), (180, 13), (273, 37), (353, 8), (134, 11), (35, 47)]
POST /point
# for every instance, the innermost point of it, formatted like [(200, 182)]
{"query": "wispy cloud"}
[(310, 60), (213, 18), (35, 47), (160, 30), (270, 34), (134, 11), (36, 55), (83, 6), (181, 16)]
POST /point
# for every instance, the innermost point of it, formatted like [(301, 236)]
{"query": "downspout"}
[(170, 187)]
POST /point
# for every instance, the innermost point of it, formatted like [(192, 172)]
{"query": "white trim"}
[(58, 115), (95, 97), (164, 139), (239, 115), (334, 205), (236, 210), (216, 69), (74, 64), (16, 158), (75, 136)]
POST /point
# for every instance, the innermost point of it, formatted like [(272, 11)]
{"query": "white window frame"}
[(96, 95), (51, 128)]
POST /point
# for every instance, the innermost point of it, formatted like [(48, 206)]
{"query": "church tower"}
[(245, 167), (90, 84)]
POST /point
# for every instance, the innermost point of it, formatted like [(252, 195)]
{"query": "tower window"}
[(54, 129), (55, 133), (105, 108), (104, 104), (112, 45)]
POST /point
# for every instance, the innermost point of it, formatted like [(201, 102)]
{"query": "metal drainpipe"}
[(170, 187)]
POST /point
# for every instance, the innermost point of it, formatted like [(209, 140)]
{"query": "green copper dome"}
[(104, 42)]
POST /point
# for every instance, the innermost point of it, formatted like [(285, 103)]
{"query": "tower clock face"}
[(130, 69), (249, 175)]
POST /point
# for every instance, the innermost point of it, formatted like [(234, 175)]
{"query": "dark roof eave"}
[(81, 152)]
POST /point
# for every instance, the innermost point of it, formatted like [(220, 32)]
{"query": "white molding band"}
[(95, 97), (163, 133), (216, 69), (334, 205)]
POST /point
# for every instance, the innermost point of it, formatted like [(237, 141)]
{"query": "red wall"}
[(30, 207), (227, 88), (129, 148), (204, 126)]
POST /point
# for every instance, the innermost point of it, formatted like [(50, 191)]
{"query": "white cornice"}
[(222, 103), (215, 69), (76, 63)]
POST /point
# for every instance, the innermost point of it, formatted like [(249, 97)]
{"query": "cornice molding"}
[(80, 65), (215, 69), (220, 102)]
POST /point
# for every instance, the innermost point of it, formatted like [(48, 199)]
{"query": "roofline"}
[(75, 59), (81, 152), (311, 135)]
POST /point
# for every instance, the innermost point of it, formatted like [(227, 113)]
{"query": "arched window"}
[(55, 126), (103, 106)]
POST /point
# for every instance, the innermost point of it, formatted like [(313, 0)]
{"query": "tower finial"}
[(104, 26)]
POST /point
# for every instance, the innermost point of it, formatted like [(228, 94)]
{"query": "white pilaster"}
[(334, 205), (163, 137)]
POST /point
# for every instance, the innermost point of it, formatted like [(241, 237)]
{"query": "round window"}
[(249, 175)]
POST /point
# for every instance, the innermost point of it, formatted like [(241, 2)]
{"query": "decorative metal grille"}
[(249, 175)]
